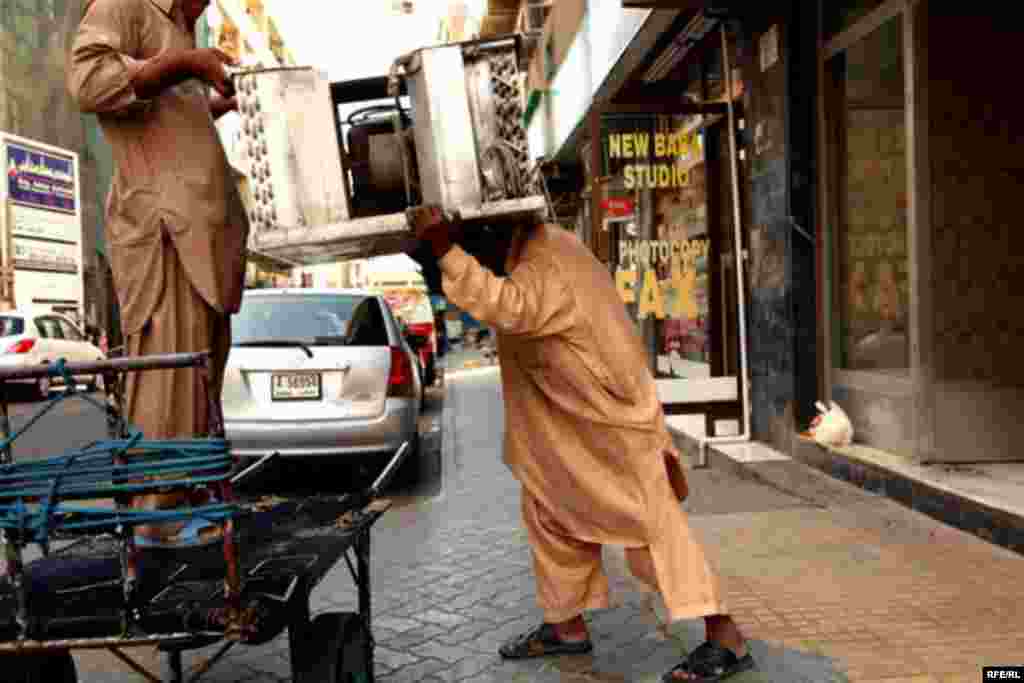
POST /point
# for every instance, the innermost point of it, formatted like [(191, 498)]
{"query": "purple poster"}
[(41, 180)]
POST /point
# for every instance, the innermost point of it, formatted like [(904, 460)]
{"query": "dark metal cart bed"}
[(94, 588)]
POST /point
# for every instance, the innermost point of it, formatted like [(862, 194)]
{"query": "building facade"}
[(34, 38), (802, 200)]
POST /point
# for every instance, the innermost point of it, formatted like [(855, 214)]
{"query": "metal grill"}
[(508, 103)]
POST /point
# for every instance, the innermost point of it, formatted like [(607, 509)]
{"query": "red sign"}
[(618, 207)]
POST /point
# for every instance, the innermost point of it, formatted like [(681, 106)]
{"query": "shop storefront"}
[(664, 221), (693, 158), (872, 199), (919, 176)]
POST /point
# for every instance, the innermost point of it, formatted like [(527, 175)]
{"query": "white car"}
[(37, 337)]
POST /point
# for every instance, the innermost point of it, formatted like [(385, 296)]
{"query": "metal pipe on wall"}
[(741, 297)]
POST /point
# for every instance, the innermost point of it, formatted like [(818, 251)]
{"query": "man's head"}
[(490, 246), (193, 9)]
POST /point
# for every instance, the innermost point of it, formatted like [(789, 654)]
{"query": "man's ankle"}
[(573, 628)]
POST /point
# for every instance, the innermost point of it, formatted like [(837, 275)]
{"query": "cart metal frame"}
[(279, 600)]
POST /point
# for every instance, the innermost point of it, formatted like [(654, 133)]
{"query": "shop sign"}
[(637, 276), (618, 207), (50, 256), (39, 179), (674, 154), (47, 225)]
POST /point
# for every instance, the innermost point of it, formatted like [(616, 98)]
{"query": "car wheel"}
[(43, 387)]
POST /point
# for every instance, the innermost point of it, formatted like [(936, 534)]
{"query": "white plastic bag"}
[(832, 426)]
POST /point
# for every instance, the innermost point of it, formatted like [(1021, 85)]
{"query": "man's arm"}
[(172, 68), (105, 76), (532, 301), (220, 105)]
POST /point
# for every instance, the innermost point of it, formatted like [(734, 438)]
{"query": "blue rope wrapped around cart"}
[(94, 471)]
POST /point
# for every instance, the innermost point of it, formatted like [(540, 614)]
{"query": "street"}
[(830, 583)]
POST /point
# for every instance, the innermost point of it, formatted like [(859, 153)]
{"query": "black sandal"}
[(710, 663), (541, 642)]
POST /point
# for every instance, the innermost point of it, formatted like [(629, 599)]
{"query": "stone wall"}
[(779, 207), (976, 292)]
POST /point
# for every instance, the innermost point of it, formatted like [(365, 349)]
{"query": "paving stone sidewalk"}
[(830, 583)]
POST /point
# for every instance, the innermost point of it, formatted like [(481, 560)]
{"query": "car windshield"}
[(288, 318), (11, 326)]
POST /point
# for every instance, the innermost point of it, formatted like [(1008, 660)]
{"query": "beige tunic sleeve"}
[(533, 301), (103, 60)]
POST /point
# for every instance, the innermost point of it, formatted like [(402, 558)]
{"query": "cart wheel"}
[(58, 667), (337, 651)]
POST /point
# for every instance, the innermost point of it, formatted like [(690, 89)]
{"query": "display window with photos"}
[(867, 120)]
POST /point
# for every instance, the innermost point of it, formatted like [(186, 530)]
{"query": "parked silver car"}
[(319, 372)]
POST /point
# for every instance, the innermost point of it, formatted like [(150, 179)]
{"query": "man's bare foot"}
[(572, 631)]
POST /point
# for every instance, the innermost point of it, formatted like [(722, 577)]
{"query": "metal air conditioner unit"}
[(445, 127)]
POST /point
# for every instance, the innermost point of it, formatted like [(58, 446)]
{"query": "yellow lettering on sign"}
[(650, 297), (627, 252), (641, 144), (625, 282), (615, 146), (685, 281), (659, 145), (664, 176), (630, 173)]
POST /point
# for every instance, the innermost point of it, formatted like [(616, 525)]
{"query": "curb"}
[(807, 473)]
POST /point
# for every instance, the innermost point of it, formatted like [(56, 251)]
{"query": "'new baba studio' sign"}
[(662, 160)]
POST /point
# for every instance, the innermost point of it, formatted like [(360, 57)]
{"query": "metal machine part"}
[(461, 144), (294, 179), (377, 161)]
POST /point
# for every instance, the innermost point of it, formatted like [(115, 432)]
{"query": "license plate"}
[(296, 386)]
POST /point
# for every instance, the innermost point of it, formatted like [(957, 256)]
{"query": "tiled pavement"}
[(829, 582)]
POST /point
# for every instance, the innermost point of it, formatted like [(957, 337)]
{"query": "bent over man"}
[(176, 226), (586, 436)]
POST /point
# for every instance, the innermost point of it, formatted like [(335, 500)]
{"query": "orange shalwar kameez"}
[(584, 429)]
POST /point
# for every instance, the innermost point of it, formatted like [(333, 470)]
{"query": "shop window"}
[(867, 116)]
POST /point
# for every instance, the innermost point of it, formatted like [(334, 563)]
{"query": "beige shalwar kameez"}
[(176, 227), (584, 429)]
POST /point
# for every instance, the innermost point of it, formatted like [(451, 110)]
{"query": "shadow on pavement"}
[(647, 661)]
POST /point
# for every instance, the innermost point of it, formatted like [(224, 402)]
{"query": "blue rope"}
[(92, 470)]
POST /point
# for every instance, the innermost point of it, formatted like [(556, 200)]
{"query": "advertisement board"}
[(40, 179), (41, 225)]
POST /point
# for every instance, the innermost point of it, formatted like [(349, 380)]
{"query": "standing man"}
[(176, 225), (585, 435)]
